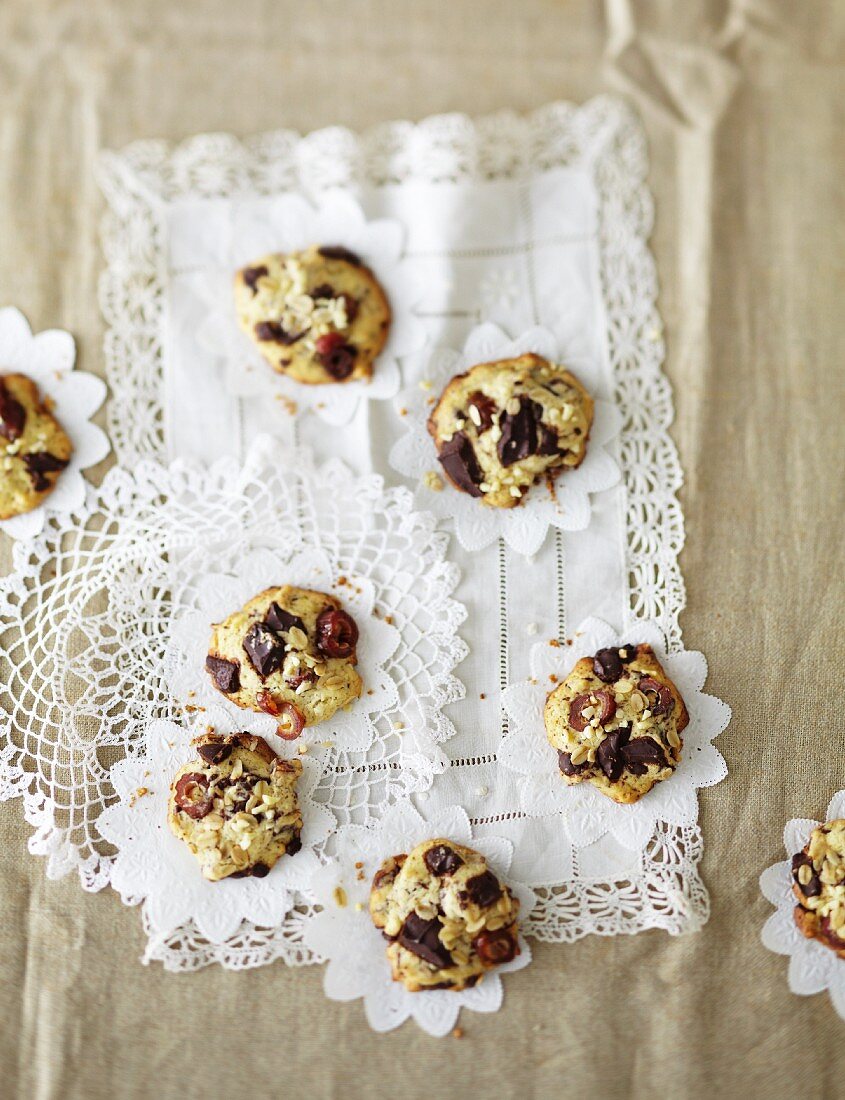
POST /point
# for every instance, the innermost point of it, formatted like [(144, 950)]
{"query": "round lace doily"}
[(523, 528), (106, 586), (48, 358)]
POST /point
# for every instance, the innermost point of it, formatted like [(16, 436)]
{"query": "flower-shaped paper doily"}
[(289, 223), (812, 966), (154, 867), (524, 527), (585, 813), (352, 728), (48, 359), (355, 950)]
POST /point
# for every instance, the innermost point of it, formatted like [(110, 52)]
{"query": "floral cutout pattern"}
[(352, 728), (345, 936), (156, 869), (813, 968), (48, 358), (585, 813), (524, 528), (289, 223)]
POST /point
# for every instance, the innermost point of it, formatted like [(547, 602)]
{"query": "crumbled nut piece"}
[(339, 895)]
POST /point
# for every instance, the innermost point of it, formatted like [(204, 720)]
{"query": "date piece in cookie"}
[(818, 883), (318, 316), (235, 806), (616, 722), (447, 916), (290, 652), (502, 426), (33, 447)]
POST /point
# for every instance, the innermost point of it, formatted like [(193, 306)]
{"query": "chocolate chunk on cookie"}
[(289, 652), (503, 426), (236, 806), (460, 464), (319, 316), (616, 722), (448, 918)]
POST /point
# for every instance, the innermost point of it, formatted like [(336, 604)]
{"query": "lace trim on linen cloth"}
[(604, 133)]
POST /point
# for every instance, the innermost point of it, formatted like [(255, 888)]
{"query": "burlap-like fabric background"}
[(743, 103)]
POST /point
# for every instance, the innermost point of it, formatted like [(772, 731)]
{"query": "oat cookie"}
[(502, 426), (289, 652), (318, 316), (236, 806), (447, 916), (33, 447), (616, 722), (818, 874)]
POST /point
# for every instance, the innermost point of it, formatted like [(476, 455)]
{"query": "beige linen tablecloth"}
[(743, 104)]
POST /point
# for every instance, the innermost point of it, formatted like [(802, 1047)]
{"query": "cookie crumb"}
[(359, 907), (302, 749), (288, 404), (458, 1033), (482, 695), (139, 793), (339, 895), (403, 412), (432, 480), (554, 643)]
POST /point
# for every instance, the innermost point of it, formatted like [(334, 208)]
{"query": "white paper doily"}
[(218, 240), (48, 359), (104, 587), (355, 950), (351, 729), (523, 528), (813, 967), (584, 813), (156, 869)]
